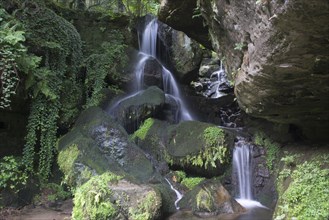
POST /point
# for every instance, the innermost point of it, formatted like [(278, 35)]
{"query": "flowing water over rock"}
[(178, 194), (148, 46), (242, 166)]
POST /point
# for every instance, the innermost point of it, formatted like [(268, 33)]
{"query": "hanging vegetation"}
[(13, 57), (59, 44), (110, 61)]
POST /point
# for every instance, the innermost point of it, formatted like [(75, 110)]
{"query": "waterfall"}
[(219, 80), (242, 166), (148, 50)]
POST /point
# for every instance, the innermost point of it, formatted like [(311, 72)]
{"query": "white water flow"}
[(147, 50), (242, 166), (178, 194), (220, 78)]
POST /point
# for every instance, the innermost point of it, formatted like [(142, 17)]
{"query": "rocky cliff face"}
[(277, 52)]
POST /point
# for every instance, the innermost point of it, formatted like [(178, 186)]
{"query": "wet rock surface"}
[(131, 111), (103, 145), (210, 199), (277, 56), (179, 52)]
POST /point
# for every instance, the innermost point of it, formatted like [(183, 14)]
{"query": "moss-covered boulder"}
[(210, 197), (97, 144), (108, 196), (200, 148), (134, 109)]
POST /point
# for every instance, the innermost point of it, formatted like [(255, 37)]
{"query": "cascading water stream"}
[(242, 165), (178, 194), (148, 50)]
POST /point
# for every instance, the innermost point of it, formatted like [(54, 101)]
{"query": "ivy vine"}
[(60, 46)]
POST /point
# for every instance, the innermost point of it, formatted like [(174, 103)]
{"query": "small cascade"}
[(148, 45), (242, 165), (171, 89), (178, 194), (218, 78)]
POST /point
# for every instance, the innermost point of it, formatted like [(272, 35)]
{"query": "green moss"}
[(92, 199), (272, 148), (214, 150), (143, 130), (179, 175), (66, 160), (204, 201), (146, 208), (191, 182), (307, 195)]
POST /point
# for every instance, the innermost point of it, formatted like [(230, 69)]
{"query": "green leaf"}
[(14, 37)]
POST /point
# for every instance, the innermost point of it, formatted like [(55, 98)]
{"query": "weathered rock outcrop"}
[(185, 16), (182, 54), (97, 144), (277, 52)]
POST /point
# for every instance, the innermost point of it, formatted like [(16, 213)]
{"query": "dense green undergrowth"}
[(303, 188), (42, 54)]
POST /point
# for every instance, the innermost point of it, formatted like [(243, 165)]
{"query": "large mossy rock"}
[(97, 144), (200, 148), (210, 197), (108, 196), (134, 109)]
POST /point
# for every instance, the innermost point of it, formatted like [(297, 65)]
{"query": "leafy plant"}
[(239, 46), (272, 148), (196, 12), (108, 63), (191, 182), (141, 7), (307, 195), (92, 199), (59, 45), (289, 160), (11, 49), (214, 150), (144, 210), (11, 174)]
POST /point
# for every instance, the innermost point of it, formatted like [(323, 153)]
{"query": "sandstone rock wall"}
[(278, 53)]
